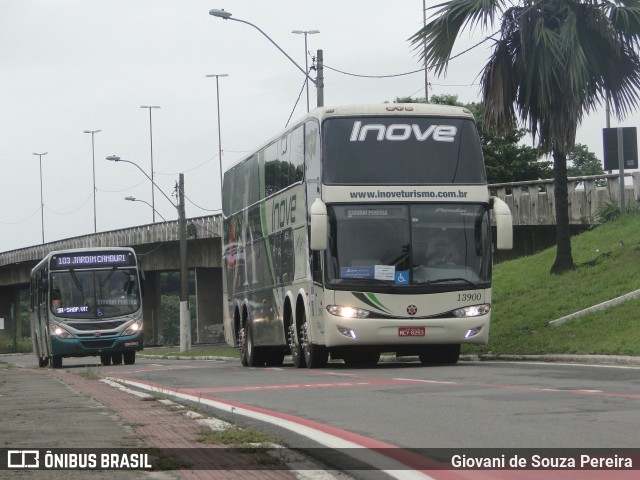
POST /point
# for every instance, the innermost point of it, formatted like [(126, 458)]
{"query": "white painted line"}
[(357, 451)]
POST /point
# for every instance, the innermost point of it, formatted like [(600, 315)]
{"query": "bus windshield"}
[(443, 245), (96, 294), (400, 151)]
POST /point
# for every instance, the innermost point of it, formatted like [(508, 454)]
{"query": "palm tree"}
[(553, 61)]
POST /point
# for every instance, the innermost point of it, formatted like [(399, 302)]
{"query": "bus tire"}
[(297, 354), (56, 361), (105, 359), (315, 356), (116, 358), (43, 362), (253, 356), (129, 357)]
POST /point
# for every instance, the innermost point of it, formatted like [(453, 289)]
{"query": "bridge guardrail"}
[(532, 202)]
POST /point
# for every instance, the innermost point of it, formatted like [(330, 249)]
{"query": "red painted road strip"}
[(405, 457)]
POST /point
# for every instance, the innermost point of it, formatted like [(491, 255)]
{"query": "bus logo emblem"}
[(97, 334), (412, 309)]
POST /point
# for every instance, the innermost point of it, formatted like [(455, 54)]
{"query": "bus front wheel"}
[(129, 357), (105, 359), (43, 362), (116, 358)]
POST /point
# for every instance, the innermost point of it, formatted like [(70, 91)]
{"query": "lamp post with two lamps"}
[(185, 320), (40, 155), (318, 82), (93, 157)]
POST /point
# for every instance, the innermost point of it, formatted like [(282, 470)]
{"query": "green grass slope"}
[(526, 297)]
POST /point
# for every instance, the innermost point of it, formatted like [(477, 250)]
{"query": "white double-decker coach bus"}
[(361, 230)]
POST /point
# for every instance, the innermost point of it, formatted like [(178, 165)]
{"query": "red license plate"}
[(411, 332)]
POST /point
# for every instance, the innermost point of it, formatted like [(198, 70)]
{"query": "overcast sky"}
[(75, 65)]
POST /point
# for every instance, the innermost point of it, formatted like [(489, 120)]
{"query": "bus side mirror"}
[(504, 224), (318, 225)]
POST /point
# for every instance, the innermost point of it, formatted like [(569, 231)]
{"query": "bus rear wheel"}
[(56, 361), (315, 356), (250, 355), (297, 354)]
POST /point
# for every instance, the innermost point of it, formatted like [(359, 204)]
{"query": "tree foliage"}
[(552, 63)]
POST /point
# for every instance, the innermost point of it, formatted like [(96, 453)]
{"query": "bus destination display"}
[(93, 259)]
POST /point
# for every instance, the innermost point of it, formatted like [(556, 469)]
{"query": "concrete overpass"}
[(157, 247)]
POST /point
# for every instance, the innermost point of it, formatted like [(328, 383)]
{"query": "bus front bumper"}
[(83, 347), (370, 331)]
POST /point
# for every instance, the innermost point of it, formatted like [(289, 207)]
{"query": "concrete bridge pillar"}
[(209, 306), (10, 312), (152, 307)]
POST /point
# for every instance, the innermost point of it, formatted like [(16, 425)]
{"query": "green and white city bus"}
[(87, 302), (360, 230)]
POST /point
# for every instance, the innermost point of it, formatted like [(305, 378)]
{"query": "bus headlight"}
[(134, 328), (472, 311), (58, 331), (347, 312)]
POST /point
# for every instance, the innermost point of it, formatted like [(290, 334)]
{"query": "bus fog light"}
[(134, 328), (58, 331), (348, 332), (472, 332), (472, 311)]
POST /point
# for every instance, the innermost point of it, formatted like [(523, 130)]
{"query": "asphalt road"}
[(495, 405)]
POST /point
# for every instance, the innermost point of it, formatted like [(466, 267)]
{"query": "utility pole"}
[(320, 79), (185, 318)]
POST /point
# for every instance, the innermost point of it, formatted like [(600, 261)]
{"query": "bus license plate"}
[(411, 332)]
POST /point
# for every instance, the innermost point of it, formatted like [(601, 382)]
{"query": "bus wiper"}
[(78, 284), (446, 280), (102, 284)]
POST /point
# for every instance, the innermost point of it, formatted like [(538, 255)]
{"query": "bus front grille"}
[(97, 344)]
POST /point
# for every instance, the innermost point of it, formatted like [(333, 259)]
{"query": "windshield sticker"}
[(402, 277), (385, 272), (357, 272)]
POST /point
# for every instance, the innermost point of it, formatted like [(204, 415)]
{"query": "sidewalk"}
[(45, 408)]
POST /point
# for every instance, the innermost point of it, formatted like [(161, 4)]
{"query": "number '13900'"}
[(470, 297)]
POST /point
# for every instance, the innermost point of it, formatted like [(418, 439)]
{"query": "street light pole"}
[(424, 47), (115, 158), (40, 155), (153, 202), (185, 316), (306, 56), (185, 320), (319, 85), (93, 157), (218, 75), (134, 199)]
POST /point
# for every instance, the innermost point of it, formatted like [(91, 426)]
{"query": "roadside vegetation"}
[(526, 298)]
